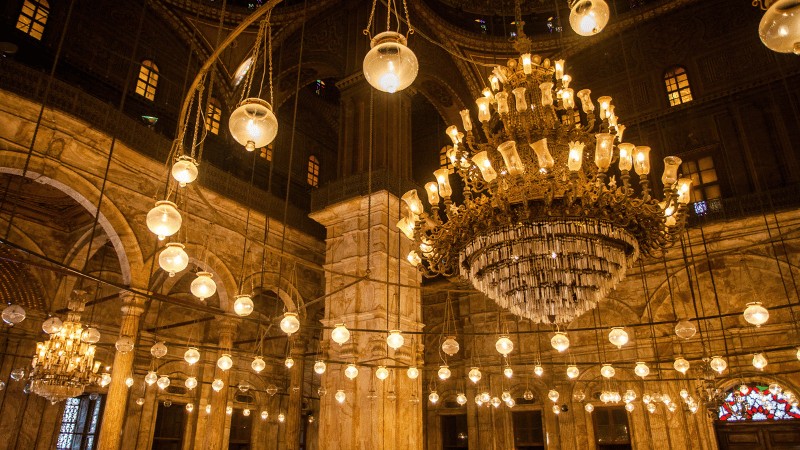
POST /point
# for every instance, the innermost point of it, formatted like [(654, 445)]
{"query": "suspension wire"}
[(780, 270), (671, 295), (247, 224), (713, 286), (688, 266)]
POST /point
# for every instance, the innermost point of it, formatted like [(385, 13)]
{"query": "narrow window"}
[(148, 80), (528, 430), (313, 171), (677, 84), (168, 431), (454, 431), (611, 428), (33, 18), (241, 431), (706, 192), (213, 116), (80, 423)]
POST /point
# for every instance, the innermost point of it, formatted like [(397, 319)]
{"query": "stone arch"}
[(286, 290)]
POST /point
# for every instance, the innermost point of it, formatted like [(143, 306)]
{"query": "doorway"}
[(758, 436)]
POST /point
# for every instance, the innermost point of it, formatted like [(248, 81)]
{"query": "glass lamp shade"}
[(395, 339), (190, 383), (189, 407), (618, 336), (779, 29), (484, 108), (225, 362), (203, 286), (718, 364), (505, 396), (289, 362), (272, 390), (320, 367), (105, 379), (626, 156), (217, 385), (607, 371), (527, 395), (382, 373), (158, 350), (553, 395), (685, 329), (150, 378), (588, 408), (589, 17), (481, 160), (575, 159), (543, 156), (412, 373), (351, 371), (556, 409), (140, 401), (485, 397), (755, 314), (684, 190), (603, 150), (443, 179), (508, 372), (547, 93), (502, 102), (651, 408), (173, 258), (264, 415), (129, 381), (585, 96), (475, 374), (432, 188), (290, 324), (759, 361), (444, 372), (52, 325), (641, 160), (629, 407), (390, 66), (413, 258), (568, 98), (163, 382), (629, 396), (340, 334), (450, 346), (164, 219), (281, 417), (191, 355), (124, 344), (641, 370), (496, 401), (514, 165), (433, 397), (412, 201), (461, 399), (519, 99), (670, 176), (253, 124), (798, 354), (573, 372), (466, 120), (340, 396), (90, 335), (560, 341), (538, 370), (184, 170), (243, 305), (504, 346), (258, 364)]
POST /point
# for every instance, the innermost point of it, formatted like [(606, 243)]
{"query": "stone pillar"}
[(386, 418), (215, 424), (293, 426), (117, 398)]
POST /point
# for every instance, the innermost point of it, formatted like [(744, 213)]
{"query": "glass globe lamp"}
[(150, 378), (290, 324), (478, 400), (504, 346), (607, 371), (164, 219), (538, 370), (140, 401), (320, 367), (618, 336), (264, 415), (528, 395), (588, 408), (641, 369), (340, 334), (124, 344), (351, 371), (444, 372), (485, 397), (253, 124), (553, 395), (718, 364), (395, 339), (163, 382), (755, 314), (759, 361), (681, 365), (511, 403), (258, 364), (629, 407), (184, 170), (779, 29), (556, 410), (225, 362), (229, 410), (433, 397), (412, 373), (685, 329), (281, 417), (243, 305), (158, 350), (382, 373), (629, 396), (13, 314), (578, 396), (289, 362), (272, 390), (588, 17), (475, 374), (390, 66), (191, 355), (340, 396), (217, 385), (190, 383), (129, 381), (90, 335), (189, 407), (105, 379), (651, 408), (508, 371), (496, 401), (573, 372), (450, 346), (798, 354), (560, 341), (52, 325), (461, 399), (203, 286), (505, 396), (173, 258)]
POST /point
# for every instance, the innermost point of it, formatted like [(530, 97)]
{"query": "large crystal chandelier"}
[(538, 229), (64, 364)]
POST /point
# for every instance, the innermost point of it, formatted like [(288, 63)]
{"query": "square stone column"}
[(376, 414)]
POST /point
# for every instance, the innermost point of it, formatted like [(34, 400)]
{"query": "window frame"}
[(147, 80), (527, 444), (34, 22), (609, 412), (677, 94), (213, 116), (444, 160), (88, 419), (312, 171), (455, 418)]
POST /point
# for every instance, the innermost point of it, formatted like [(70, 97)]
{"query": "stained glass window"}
[(80, 423), (756, 403)]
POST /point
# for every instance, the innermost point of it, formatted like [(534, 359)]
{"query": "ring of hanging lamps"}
[(203, 286), (618, 336), (351, 371), (450, 346), (560, 341), (289, 362), (475, 374), (258, 364), (607, 371), (444, 372), (320, 367), (759, 361), (461, 399), (504, 345), (641, 369), (685, 329), (538, 370), (164, 219), (390, 66), (243, 305), (588, 17), (779, 29), (412, 373), (395, 339), (253, 124), (225, 362), (190, 383), (340, 334), (755, 314), (290, 324), (508, 371), (184, 170), (718, 364), (382, 373), (217, 384), (573, 372), (173, 258), (191, 355), (150, 378), (52, 325)]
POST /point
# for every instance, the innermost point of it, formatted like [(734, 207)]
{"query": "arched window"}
[(148, 80), (33, 18), (213, 116), (313, 171), (677, 84), (757, 403)]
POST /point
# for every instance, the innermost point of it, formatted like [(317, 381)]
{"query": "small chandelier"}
[(64, 365), (540, 231)]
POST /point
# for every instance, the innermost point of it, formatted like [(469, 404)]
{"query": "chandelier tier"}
[(538, 230), (64, 364)]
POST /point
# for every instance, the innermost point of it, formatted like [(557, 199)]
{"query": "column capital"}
[(132, 304), (226, 326)]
